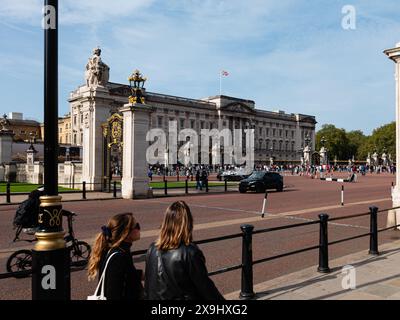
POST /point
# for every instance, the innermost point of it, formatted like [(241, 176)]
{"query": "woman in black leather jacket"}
[(175, 266)]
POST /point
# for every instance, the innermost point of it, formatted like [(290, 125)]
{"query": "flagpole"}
[(220, 83)]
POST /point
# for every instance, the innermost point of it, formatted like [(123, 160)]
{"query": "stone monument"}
[(94, 100), (6, 141), (97, 72)]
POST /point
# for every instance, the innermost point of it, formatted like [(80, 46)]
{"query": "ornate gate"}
[(112, 150)]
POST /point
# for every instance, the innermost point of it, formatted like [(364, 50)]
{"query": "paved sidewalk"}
[(377, 278)]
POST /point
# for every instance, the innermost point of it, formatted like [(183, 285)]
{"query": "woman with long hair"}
[(175, 266), (122, 280)]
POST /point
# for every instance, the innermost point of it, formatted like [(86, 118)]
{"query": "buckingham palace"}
[(277, 134)]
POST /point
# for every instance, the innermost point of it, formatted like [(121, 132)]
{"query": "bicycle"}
[(21, 260)]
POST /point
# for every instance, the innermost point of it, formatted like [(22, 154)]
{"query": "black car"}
[(260, 181)]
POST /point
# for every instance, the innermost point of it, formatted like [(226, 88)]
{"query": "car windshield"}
[(257, 175)]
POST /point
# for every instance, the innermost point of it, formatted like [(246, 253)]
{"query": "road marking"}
[(224, 223)]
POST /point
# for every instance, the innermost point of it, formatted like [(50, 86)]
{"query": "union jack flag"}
[(224, 73)]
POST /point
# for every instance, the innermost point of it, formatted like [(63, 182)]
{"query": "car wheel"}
[(242, 190), (280, 188)]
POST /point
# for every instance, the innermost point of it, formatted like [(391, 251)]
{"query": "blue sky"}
[(291, 55)]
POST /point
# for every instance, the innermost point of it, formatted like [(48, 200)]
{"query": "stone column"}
[(323, 157), (394, 215), (38, 172), (96, 112), (30, 155), (135, 182), (6, 140)]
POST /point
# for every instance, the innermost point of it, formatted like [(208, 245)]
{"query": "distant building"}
[(23, 130)]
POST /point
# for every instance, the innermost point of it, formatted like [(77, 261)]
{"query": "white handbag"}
[(101, 283)]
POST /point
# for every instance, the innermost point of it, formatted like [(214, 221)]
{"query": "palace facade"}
[(277, 134)]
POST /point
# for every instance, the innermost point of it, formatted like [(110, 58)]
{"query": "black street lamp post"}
[(50, 261)]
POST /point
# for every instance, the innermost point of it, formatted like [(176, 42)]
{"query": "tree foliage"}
[(344, 145)]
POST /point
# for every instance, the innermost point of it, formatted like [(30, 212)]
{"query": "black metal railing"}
[(114, 187), (205, 186), (84, 190), (247, 262)]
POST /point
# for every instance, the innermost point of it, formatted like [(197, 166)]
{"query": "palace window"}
[(160, 120), (273, 132), (192, 124), (267, 131), (75, 119), (182, 123)]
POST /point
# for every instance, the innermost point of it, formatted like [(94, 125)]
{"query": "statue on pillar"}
[(307, 151), (97, 72), (369, 159), (384, 159), (375, 159), (4, 122)]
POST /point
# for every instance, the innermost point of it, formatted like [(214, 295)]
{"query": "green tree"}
[(356, 140), (337, 142), (382, 139)]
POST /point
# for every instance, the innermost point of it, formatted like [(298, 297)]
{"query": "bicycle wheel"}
[(20, 260), (80, 253)]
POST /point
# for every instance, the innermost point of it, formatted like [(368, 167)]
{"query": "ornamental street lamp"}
[(50, 258), (136, 84)]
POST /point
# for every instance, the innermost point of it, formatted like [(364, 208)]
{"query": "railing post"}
[(8, 191), (165, 187), (186, 187), (207, 185), (115, 189), (109, 185), (373, 240), (246, 291), (226, 185), (84, 190), (323, 244)]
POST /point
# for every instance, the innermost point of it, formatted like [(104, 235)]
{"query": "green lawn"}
[(25, 187)]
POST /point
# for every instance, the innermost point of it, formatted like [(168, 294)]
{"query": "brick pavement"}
[(376, 278)]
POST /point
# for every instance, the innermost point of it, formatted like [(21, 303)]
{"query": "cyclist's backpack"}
[(27, 213)]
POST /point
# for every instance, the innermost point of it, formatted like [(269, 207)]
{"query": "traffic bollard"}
[(247, 291), (323, 244)]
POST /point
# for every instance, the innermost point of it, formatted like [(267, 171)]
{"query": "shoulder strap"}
[(103, 275)]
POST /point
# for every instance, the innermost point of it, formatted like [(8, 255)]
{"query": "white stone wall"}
[(69, 174)]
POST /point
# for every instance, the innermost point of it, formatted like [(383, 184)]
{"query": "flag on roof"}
[(225, 73)]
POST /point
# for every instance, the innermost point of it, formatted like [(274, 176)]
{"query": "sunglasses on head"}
[(136, 226)]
